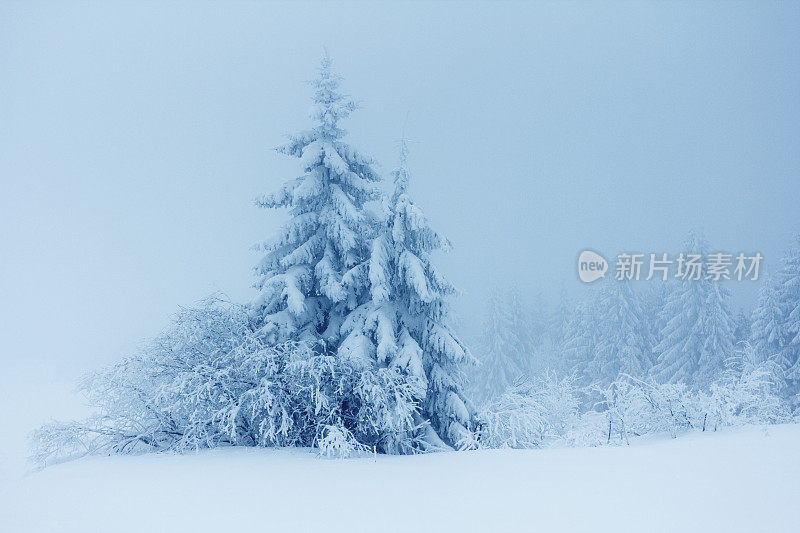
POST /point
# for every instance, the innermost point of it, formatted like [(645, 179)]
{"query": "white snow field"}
[(745, 479)]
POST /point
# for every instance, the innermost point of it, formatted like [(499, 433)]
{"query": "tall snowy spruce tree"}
[(697, 336), (404, 325), (363, 290), (776, 320), (305, 280)]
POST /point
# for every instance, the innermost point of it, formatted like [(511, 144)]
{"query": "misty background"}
[(134, 138)]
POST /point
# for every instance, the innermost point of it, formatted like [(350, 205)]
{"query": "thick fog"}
[(133, 139)]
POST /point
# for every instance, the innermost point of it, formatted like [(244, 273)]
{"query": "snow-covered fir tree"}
[(314, 284), (776, 319), (404, 324), (697, 336), (305, 281)]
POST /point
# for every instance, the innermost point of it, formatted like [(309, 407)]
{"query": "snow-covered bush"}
[(210, 380), (531, 413), (547, 411), (634, 407), (339, 442), (748, 392), (201, 383)]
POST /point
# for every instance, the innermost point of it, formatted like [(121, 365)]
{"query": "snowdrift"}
[(738, 479)]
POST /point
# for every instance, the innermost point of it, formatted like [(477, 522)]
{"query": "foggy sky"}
[(134, 137)]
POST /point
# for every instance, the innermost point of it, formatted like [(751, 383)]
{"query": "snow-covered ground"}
[(745, 479)]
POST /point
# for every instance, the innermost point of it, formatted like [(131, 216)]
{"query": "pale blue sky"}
[(134, 136)]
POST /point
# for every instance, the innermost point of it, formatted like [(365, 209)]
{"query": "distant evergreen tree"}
[(538, 319), (654, 299), (741, 327), (698, 333), (548, 325), (306, 281), (560, 319), (768, 333), (404, 325), (621, 346), (776, 319), (581, 337), (504, 346), (549, 347)]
